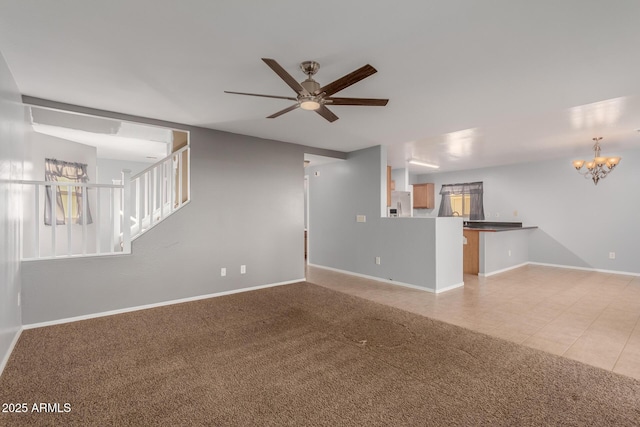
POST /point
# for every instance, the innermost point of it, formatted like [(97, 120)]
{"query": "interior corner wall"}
[(246, 208), (579, 223), (12, 129), (401, 178), (340, 191)]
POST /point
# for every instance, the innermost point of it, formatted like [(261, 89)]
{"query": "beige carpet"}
[(299, 355)]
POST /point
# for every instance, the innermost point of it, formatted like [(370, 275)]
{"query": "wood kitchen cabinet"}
[(423, 197), (471, 252)]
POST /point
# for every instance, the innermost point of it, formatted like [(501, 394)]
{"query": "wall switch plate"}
[(377, 260), (19, 299), (612, 255), (509, 252), (361, 218), (243, 269), (223, 272)]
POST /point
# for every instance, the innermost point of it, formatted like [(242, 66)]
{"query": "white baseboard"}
[(491, 273), (154, 305), (448, 288), (391, 282), (596, 270), (5, 359), (568, 267)]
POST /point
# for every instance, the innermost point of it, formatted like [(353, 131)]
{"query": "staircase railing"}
[(71, 235), (159, 191), (119, 212)]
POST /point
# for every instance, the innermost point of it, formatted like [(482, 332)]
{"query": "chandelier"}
[(599, 167)]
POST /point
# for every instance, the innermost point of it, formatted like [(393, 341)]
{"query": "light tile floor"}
[(587, 316)]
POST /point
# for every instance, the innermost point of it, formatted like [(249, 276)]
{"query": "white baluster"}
[(126, 211)]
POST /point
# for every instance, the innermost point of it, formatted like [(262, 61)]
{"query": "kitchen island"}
[(493, 247)]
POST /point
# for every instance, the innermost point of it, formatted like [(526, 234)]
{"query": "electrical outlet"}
[(612, 255), (243, 269), (509, 252), (515, 213), (377, 260), (223, 272), (497, 214), (361, 218), (19, 299)]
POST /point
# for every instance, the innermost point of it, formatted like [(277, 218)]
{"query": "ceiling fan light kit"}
[(596, 169), (309, 105), (313, 97)]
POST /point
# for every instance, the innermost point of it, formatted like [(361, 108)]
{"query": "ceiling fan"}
[(311, 96)]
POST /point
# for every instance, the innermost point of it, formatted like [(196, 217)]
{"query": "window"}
[(461, 204), (462, 200), (68, 198)]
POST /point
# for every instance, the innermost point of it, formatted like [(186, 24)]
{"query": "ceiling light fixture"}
[(420, 163), (596, 168), (309, 104)]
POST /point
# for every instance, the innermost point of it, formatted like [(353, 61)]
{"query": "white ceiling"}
[(471, 83)]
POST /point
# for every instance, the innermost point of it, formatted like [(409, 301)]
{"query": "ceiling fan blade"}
[(373, 102), (348, 80), (263, 96), (288, 79), (281, 112), (326, 113)]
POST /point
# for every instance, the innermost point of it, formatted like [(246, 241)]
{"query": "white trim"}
[(503, 270), (306, 188), (390, 281), (597, 270), (448, 288), (154, 305), (6, 357)]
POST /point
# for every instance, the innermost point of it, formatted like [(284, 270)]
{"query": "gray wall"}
[(406, 246), (12, 125), (503, 250), (246, 208), (449, 249), (579, 223)]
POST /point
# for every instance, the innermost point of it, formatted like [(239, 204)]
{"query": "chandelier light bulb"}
[(578, 164), (613, 161)]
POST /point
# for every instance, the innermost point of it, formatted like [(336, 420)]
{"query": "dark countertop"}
[(494, 226), (495, 229)]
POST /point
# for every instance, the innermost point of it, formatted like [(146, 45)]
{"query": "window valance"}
[(466, 188)]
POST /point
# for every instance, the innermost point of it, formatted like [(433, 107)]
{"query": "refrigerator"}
[(402, 202)]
